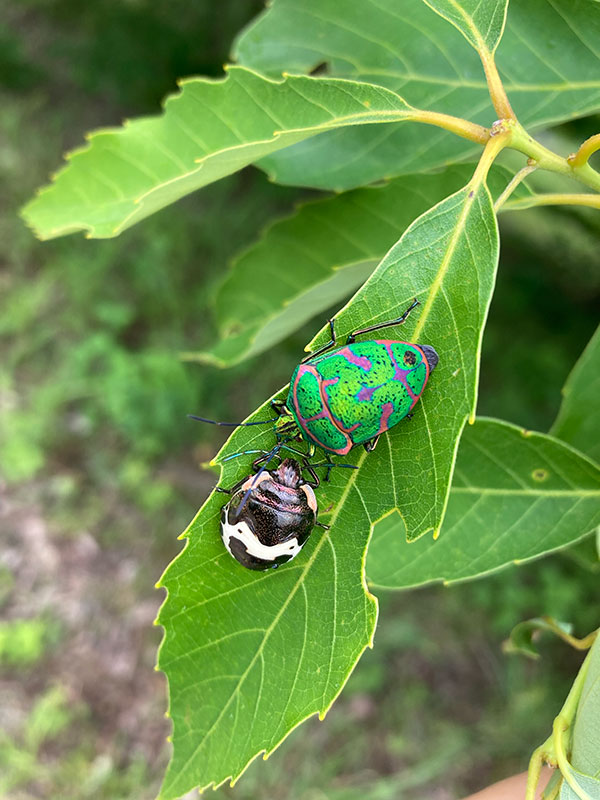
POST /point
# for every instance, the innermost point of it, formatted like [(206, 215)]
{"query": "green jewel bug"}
[(340, 397)]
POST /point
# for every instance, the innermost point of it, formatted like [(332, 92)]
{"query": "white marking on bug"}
[(310, 497), (253, 481), (242, 532)]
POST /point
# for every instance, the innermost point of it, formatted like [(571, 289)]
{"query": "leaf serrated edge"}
[(372, 606), (231, 73)]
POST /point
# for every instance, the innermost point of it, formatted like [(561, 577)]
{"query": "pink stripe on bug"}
[(359, 361), (400, 373), (386, 413)]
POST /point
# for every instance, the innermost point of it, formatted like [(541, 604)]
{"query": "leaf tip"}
[(436, 534)]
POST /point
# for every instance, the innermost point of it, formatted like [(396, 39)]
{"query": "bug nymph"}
[(269, 517)]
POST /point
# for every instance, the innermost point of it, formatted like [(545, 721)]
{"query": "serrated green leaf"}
[(585, 753), (305, 263), (241, 649), (522, 636), (480, 23), (547, 59), (578, 421), (250, 655), (210, 129), (516, 495)]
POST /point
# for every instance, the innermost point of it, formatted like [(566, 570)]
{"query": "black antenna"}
[(230, 424)]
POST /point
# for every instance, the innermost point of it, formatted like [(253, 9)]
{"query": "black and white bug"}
[(270, 516)]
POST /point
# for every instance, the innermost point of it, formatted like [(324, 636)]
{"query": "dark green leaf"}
[(548, 60), (304, 264), (516, 495)]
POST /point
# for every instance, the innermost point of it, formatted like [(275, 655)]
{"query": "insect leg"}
[(229, 424), (371, 444), (315, 478), (325, 347), (390, 323), (278, 406)]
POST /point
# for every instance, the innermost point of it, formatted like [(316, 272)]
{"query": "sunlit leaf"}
[(243, 649), (516, 495), (578, 421), (547, 59), (212, 128)]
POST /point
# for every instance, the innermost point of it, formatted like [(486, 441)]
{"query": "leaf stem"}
[(546, 159), (554, 750), (516, 180), (579, 644), (536, 762), (590, 200), (587, 149), (457, 125), (496, 89)]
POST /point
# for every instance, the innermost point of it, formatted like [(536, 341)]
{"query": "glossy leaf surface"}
[(212, 128), (547, 59), (516, 495), (242, 649)]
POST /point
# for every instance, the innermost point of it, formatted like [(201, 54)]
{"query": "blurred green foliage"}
[(93, 426)]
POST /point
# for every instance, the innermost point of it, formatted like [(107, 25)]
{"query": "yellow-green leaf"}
[(212, 128)]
